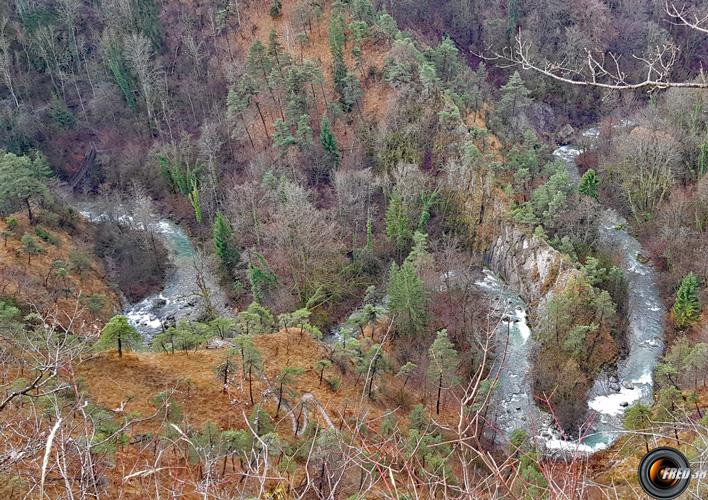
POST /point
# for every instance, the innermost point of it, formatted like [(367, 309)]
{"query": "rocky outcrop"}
[(529, 265)]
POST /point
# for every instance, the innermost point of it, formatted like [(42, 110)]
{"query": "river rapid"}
[(612, 393), (178, 299), (513, 403)]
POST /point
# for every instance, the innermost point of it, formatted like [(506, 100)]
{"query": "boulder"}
[(565, 135)]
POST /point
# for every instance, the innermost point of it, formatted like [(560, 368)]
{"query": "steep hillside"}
[(52, 270)]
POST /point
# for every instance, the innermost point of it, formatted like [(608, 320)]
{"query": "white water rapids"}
[(178, 298), (611, 395)]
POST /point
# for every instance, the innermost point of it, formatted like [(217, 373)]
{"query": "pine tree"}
[(443, 363), (120, 332), (514, 96), (321, 366), (329, 144), (276, 8), (398, 224), (303, 135), (276, 52), (251, 360), (407, 299), (283, 137), (339, 67), (226, 368), (285, 381), (30, 247), (237, 102), (588, 184), (223, 243), (687, 308), (22, 179), (260, 276)]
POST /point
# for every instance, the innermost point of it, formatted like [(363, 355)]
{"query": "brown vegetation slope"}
[(63, 277)]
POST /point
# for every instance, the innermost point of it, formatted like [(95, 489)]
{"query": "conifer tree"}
[(251, 362), (687, 308), (285, 381), (398, 224), (443, 363), (22, 178), (226, 368), (223, 243), (588, 184), (30, 247), (276, 8), (407, 299), (514, 94), (236, 103), (321, 366), (638, 418), (120, 332), (303, 135), (329, 145)]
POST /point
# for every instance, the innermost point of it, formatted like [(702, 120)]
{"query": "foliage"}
[(22, 178), (443, 360), (588, 184), (120, 333), (687, 307), (223, 243), (329, 145), (30, 247), (407, 299), (276, 8)]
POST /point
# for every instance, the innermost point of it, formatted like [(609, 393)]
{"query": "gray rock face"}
[(529, 265), (542, 117), (565, 135)]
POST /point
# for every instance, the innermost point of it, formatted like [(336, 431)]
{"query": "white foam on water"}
[(490, 282), (573, 446), (612, 404), (523, 324), (593, 132)]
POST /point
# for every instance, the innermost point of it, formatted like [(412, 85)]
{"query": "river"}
[(612, 393), (178, 299)]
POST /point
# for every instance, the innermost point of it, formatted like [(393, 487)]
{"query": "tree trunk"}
[(245, 126), (250, 384), (437, 406), (29, 211), (280, 399), (120, 347), (265, 128)]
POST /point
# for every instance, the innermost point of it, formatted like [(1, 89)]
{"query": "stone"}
[(565, 134), (628, 385), (624, 404), (615, 387)]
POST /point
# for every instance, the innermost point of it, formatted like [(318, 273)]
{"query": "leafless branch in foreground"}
[(604, 70), (682, 18)]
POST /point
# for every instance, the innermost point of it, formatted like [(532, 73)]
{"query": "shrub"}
[(46, 236), (79, 262), (334, 383), (11, 223)]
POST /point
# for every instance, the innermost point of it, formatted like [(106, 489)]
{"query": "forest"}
[(351, 248)]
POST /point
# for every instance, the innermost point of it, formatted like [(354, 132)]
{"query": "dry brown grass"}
[(26, 283), (139, 376)]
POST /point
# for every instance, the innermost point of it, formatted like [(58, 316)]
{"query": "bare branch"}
[(683, 20), (601, 70)]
